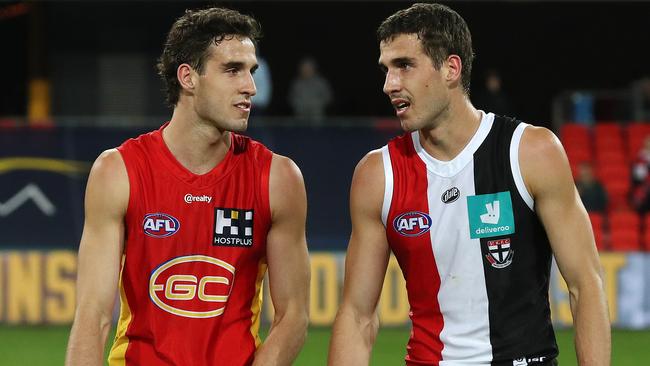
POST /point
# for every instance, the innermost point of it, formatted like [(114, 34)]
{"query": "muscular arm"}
[(100, 253), (355, 327), (547, 175), (288, 265)]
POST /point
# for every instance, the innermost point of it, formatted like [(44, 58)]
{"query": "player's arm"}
[(356, 324), (288, 265), (100, 253), (548, 177)]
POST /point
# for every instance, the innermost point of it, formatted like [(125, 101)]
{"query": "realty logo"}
[(490, 215)]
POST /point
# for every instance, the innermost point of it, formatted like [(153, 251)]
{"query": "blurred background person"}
[(591, 190), (641, 178), (641, 99), (264, 85), (492, 97), (309, 93)]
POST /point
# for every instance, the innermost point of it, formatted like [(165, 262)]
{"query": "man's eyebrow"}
[(396, 61), (402, 60), (232, 65)]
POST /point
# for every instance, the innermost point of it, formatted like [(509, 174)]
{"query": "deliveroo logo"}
[(493, 213), (490, 215)]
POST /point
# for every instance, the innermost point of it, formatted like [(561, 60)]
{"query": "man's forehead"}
[(401, 45), (233, 47), (233, 42), (402, 40)]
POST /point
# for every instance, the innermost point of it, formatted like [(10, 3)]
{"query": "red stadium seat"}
[(612, 172), (636, 134), (611, 156), (573, 133), (607, 129), (624, 228), (578, 154), (625, 241), (596, 219), (608, 136), (618, 192)]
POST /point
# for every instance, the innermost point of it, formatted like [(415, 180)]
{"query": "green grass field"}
[(45, 346)]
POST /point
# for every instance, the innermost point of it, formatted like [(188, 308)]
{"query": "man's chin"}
[(407, 126), (238, 126)]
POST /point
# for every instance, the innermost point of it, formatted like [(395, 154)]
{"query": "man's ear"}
[(185, 74), (454, 69)]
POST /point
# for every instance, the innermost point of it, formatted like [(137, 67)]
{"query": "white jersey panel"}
[(462, 296)]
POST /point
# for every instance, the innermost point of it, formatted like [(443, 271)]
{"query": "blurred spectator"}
[(641, 178), (583, 108), (492, 98), (592, 192), (641, 99), (309, 93), (264, 86)]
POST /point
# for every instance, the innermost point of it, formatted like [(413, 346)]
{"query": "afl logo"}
[(450, 195), (193, 286), (160, 225), (413, 223)]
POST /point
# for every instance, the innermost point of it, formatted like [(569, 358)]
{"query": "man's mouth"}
[(400, 105), (244, 106)]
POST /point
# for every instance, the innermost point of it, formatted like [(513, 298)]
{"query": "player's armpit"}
[(100, 253), (547, 174), (288, 265), (356, 323)]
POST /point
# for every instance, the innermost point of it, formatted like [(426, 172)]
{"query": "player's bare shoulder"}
[(285, 169), (108, 183), (542, 158), (370, 166), (286, 184), (368, 182), (109, 161)]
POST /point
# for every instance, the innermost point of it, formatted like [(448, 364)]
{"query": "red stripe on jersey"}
[(415, 253)]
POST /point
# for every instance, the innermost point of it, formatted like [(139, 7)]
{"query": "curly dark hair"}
[(190, 38), (441, 30)]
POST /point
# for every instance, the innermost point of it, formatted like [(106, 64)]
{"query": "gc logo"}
[(194, 286)]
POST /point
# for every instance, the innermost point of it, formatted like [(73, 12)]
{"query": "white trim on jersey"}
[(514, 166), (448, 169), (388, 186)]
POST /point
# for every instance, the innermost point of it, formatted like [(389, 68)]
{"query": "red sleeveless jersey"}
[(194, 257)]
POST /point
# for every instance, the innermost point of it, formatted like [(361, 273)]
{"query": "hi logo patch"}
[(233, 227), (490, 215)]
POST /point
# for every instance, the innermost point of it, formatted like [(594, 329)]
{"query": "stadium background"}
[(78, 78)]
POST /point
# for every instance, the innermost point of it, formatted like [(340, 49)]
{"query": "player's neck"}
[(453, 131), (196, 145)]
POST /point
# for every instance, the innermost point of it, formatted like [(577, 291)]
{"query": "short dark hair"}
[(190, 38), (441, 30)]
